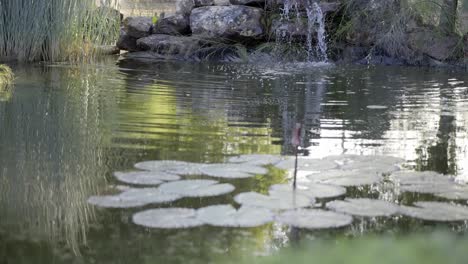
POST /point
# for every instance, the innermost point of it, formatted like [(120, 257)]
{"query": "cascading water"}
[(315, 25), (316, 20)]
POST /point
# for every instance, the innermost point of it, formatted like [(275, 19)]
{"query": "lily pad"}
[(258, 159), (133, 197), (306, 164), (436, 211), (274, 201), (162, 165), (311, 190), (364, 207), (196, 188), (226, 215), (424, 182), (145, 177), (346, 178), (168, 218), (377, 107), (457, 192), (375, 163), (222, 170), (314, 219)]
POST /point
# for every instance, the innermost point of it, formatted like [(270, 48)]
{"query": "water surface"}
[(65, 129)]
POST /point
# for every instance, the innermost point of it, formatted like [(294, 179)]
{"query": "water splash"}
[(316, 52), (316, 20)]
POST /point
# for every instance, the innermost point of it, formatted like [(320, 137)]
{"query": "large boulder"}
[(138, 27), (177, 24), (247, 2), (239, 23), (126, 42), (170, 45), (184, 7), (432, 43)]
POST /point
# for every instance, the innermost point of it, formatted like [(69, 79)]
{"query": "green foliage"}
[(56, 30), (6, 81), (428, 249)]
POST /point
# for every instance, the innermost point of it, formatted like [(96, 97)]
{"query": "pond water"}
[(65, 129)]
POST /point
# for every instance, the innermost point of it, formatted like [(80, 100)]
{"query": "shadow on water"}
[(67, 128)]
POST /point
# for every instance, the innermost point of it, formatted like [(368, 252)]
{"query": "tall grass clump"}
[(6, 81), (56, 30)]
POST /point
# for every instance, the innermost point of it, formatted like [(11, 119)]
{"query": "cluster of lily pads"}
[(318, 179)]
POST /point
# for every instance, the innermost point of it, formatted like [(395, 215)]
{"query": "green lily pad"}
[(274, 201), (306, 164), (233, 171), (311, 190), (314, 219), (346, 178), (196, 188), (145, 177), (226, 215), (364, 207), (133, 197), (258, 159), (167, 218), (436, 211)]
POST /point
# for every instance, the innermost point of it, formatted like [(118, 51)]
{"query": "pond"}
[(65, 129)]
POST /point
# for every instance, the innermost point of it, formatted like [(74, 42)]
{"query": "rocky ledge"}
[(222, 29)]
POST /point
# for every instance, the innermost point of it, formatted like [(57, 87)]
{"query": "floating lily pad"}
[(377, 107), (376, 163), (436, 211), (457, 192), (186, 169), (145, 177), (226, 215), (162, 165), (311, 190), (364, 207), (196, 188), (222, 170), (346, 177), (314, 219), (274, 201), (258, 159), (168, 218), (133, 197), (305, 164), (424, 182)]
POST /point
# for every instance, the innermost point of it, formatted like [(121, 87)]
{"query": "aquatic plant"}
[(168, 218), (276, 200), (364, 207), (145, 177), (6, 80), (314, 219), (56, 30), (228, 216), (436, 211), (134, 197), (226, 170), (196, 188), (312, 190)]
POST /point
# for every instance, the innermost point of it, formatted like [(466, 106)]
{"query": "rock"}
[(199, 3), (222, 2), (238, 23), (429, 42), (327, 7), (108, 49), (177, 24), (354, 53), (184, 7), (247, 2), (465, 42), (295, 30), (170, 45), (126, 42), (137, 27)]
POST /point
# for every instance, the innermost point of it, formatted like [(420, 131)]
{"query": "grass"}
[(56, 30), (6, 80), (428, 249)]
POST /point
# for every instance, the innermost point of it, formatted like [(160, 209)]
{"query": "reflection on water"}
[(66, 128)]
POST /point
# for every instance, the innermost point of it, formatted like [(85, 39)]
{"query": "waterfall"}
[(316, 20), (315, 28)]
